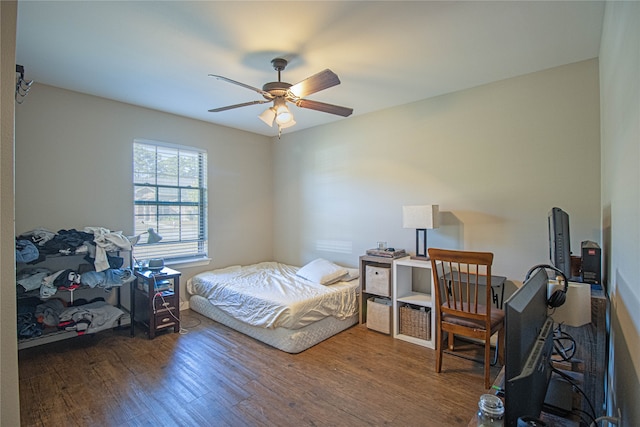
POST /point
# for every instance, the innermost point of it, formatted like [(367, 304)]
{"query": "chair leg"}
[(438, 349), (501, 348), (487, 364), (451, 340), (498, 355), (494, 361)]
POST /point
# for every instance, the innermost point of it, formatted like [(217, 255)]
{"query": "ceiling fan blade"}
[(326, 108), (244, 104), (255, 89), (320, 81)]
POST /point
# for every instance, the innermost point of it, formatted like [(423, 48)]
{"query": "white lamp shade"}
[(267, 116), (287, 125), (420, 217), (283, 115)]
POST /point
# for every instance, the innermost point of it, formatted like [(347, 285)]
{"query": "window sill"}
[(186, 263)]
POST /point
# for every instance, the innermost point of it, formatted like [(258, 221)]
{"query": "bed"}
[(287, 307)]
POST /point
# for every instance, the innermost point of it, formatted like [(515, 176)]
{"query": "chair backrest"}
[(462, 282)]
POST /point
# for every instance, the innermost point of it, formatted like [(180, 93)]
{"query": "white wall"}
[(496, 158), (9, 398), (74, 161), (620, 115)]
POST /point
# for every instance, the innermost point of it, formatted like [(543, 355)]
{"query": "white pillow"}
[(322, 271), (352, 274)]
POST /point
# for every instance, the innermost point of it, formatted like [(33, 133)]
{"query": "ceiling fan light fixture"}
[(288, 124), (284, 116), (282, 92), (267, 116)]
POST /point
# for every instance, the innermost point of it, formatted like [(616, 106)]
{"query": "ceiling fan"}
[(282, 92)]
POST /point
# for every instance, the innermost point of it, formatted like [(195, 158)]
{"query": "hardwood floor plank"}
[(214, 376)]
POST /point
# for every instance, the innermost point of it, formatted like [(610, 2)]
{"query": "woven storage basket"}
[(415, 323)]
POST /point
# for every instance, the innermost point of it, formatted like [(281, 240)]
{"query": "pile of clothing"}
[(49, 282), (33, 246), (83, 317), (35, 313)]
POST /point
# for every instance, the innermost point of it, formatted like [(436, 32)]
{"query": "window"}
[(170, 196)]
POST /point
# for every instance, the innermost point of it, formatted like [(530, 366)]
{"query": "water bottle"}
[(490, 411)]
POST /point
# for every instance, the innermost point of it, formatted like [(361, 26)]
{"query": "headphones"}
[(558, 296)]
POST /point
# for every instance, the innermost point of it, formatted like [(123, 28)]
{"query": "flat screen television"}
[(525, 394), (525, 319), (559, 240)]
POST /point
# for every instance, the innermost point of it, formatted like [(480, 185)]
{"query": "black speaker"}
[(591, 262)]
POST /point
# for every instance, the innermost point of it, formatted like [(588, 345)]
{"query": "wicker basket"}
[(415, 323)]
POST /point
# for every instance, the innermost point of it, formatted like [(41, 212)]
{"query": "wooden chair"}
[(462, 306)]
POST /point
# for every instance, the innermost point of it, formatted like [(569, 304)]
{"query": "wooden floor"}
[(214, 376)]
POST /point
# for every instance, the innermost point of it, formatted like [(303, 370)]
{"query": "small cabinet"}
[(412, 290), (156, 300)]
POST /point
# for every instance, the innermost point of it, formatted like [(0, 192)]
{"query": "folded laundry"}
[(90, 318), (31, 279), (48, 313), (107, 278), (26, 251)]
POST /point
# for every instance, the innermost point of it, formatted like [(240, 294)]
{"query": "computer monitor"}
[(525, 319), (525, 394), (559, 240)]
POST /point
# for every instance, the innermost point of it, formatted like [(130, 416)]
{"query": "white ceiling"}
[(157, 54)]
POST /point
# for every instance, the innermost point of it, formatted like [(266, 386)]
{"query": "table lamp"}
[(421, 218), (153, 237)]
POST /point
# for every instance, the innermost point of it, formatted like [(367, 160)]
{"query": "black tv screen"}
[(525, 393), (525, 318), (559, 240)]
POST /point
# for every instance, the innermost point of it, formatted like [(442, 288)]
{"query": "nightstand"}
[(156, 300)]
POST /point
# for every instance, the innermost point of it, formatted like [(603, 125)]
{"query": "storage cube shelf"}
[(375, 281), (405, 281), (413, 284)]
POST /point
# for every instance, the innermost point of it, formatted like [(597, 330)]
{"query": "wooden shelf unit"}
[(413, 284), (57, 262)]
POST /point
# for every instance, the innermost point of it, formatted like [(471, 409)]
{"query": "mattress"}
[(271, 295), (287, 340)]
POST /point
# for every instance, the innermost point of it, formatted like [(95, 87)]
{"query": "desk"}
[(550, 419), (496, 282), (589, 360)]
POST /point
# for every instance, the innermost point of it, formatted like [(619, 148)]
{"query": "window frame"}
[(185, 249)]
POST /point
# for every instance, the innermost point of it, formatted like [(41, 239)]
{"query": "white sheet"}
[(270, 295)]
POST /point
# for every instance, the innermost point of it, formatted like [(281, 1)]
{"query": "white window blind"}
[(170, 196)]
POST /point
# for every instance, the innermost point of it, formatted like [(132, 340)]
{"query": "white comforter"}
[(270, 295)]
